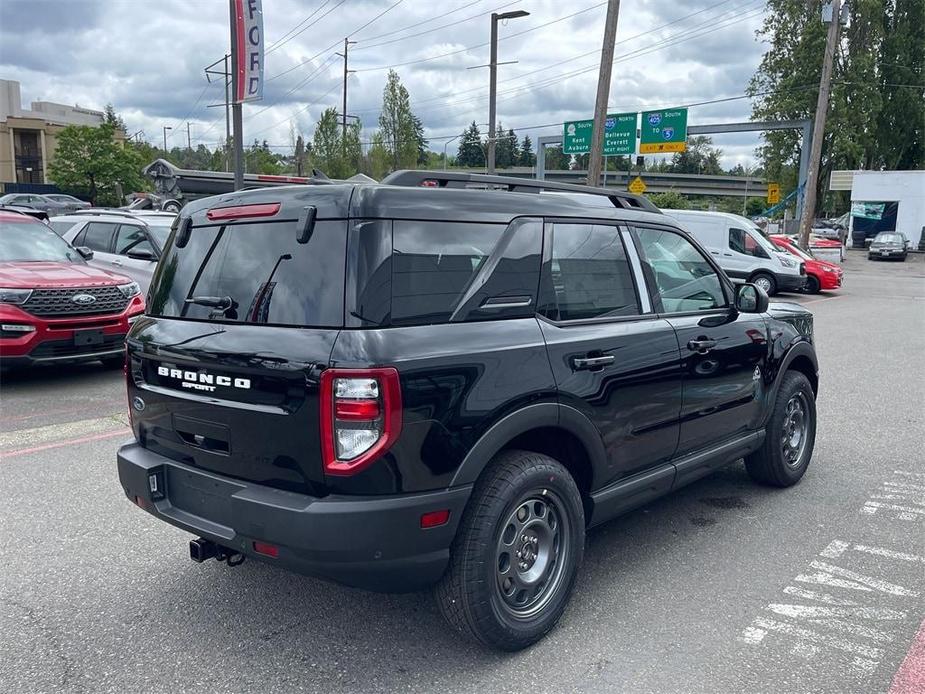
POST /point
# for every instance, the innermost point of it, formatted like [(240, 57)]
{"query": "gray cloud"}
[(149, 62)]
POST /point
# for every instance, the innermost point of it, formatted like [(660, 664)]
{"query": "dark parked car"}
[(69, 200), (35, 201), (419, 383), (888, 245)]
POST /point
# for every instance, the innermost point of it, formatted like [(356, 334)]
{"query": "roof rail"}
[(98, 213), (459, 179)]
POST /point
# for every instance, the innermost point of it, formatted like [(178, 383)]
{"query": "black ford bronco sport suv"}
[(445, 379)]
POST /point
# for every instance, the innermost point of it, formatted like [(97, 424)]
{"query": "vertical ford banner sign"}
[(248, 84)]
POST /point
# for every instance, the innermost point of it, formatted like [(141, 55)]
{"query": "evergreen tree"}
[(557, 160), (527, 157), (471, 154), (332, 154), (504, 149), (515, 147)]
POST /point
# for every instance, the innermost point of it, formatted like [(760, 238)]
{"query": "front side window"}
[(743, 242), (132, 238), (683, 278), (96, 236), (588, 274)]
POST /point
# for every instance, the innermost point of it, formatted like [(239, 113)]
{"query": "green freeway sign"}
[(663, 131), (619, 135)]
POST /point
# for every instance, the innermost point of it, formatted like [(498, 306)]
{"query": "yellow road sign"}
[(637, 186), (659, 147), (773, 193)]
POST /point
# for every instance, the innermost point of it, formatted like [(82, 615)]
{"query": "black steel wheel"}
[(789, 436), (516, 553), (812, 285)]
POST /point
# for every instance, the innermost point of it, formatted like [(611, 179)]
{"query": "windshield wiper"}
[(219, 302)]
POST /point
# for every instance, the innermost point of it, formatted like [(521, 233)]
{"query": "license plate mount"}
[(88, 338)]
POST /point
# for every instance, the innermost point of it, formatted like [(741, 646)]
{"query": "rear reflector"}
[(267, 209), (432, 519), (266, 550), (356, 409)]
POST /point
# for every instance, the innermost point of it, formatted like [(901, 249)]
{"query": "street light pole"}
[(493, 80), (166, 128)]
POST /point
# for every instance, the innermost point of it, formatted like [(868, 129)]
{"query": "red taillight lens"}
[(265, 209), (430, 183), (361, 417)]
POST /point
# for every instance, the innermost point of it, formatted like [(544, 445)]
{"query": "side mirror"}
[(141, 254), (85, 253), (751, 299)]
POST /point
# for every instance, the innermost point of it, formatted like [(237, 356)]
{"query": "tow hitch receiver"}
[(201, 550)]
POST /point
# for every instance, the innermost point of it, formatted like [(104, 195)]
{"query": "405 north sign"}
[(663, 131), (619, 135)]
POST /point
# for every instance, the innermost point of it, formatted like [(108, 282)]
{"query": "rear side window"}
[(420, 272), (258, 272), (60, 228), (97, 236), (588, 274)]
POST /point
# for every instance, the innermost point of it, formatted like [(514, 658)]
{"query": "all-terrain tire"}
[(474, 595), (785, 453)]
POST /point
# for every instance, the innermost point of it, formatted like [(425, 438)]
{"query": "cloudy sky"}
[(149, 62)]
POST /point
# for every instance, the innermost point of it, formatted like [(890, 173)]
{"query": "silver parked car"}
[(36, 201), (121, 241), (69, 200)]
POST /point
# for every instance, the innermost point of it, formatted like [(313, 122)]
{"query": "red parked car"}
[(820, 274), (54, 307)]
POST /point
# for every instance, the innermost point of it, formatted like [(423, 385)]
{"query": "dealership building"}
[(28, 138)]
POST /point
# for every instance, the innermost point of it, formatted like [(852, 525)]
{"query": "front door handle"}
[(701, 345), (592, 362), (117, 262)]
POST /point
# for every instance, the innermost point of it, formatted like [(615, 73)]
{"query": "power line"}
[(424, 21), (379, 68), (442, 26), (301, 110), (589, 53), (385, 11), (304, 82), (195, 104), (307, 26)]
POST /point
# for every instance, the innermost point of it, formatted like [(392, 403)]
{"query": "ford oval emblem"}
[(138, 404), (83, 299)]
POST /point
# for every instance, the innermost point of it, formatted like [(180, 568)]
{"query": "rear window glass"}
[(255, 273)]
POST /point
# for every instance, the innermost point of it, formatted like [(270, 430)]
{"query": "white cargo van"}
[(742, 251)]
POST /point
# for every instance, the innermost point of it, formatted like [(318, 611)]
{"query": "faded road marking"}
[(5, 455), (55, 432)]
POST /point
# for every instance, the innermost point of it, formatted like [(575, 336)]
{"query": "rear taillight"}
[(360, 417)]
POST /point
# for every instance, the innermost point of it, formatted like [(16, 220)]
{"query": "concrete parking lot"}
[(721, 587)]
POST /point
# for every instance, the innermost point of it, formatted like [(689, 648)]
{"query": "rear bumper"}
[(375, 543)]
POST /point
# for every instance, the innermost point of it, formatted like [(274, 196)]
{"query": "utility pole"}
[(343, 114), (822, 105), (237, 121), (189, 145), (226, 76), (603, 93), (166, 128), (493, 80)]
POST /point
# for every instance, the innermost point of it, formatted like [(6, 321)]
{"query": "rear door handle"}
[(701, 346), (592, 362)]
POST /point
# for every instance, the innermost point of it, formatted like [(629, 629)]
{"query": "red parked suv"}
[(55, 307), (820, 274)]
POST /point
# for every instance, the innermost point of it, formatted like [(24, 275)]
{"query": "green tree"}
[(377, 158), (669, 200), (556, 159), (89, 162), (402, 133), (527, 157), (755, 206), (471, 154), (112, 118), (876, 112), (504, 148), (700, 157)]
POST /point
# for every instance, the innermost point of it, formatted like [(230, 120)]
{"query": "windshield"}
[(797, 250), (763, 241), (34, 242), (887, 238)]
